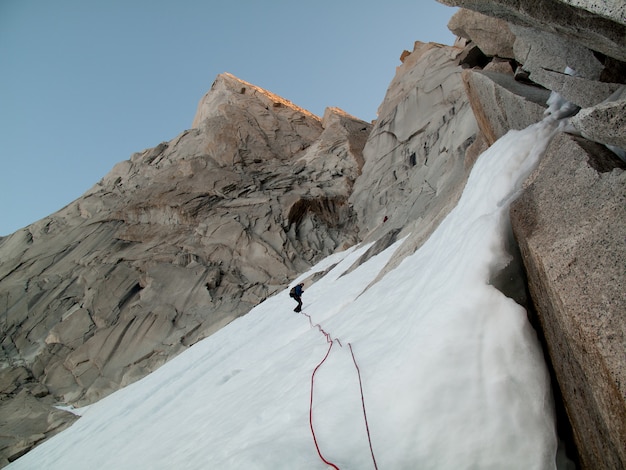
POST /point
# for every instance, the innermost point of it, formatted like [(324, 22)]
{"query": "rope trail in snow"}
[(330, 340), (367, 428), (319, 452)]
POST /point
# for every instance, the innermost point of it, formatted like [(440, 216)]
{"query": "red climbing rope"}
[(367, 428), (331, 340), (319, 452)]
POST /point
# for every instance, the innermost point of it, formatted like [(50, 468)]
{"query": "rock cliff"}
[(182, 238), (170, 246), (571, 218)]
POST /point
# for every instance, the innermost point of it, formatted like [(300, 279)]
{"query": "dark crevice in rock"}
[(152, 154), (614, 70), (512, 281), (328, 209), (130, 295), (202, 203), (564, 428), (189, 338), (472, 57), (118, 342), (600, 158)]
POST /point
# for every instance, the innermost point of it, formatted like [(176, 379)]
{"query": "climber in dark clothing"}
[(296, 293)]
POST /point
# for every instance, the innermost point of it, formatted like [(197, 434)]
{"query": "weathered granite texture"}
[(612, 9), (500, 103), (493, 36), (170, 246), (419, 153), (604, 33), (570, 223), (605, 122), (415, 158), (548, 37)]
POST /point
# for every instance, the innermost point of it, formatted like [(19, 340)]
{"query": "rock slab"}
[(570, 223)]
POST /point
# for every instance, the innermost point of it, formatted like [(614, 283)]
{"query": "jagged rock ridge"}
[(170, 246)]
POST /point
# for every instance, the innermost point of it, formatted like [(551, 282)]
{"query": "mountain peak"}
[(226, 85)]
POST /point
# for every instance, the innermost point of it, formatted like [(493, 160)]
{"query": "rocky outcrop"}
[(574, 21), (501, 103), (605, 122), (545, 59), (416, 158), (492, 36), (569, 221), (170, 246), (28, 413)]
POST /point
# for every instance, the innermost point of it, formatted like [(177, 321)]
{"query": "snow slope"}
[(453, 376)]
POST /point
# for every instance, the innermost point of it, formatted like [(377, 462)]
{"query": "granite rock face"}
[(415, 158), (575, 21), (500, 103), (493, 36), (170, 246), (570, 223), (605, 122), (554, 35), (182, 238)]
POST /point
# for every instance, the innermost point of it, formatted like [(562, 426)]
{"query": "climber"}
[(296, 293)]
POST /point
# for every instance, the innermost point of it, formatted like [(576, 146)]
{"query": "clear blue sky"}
[(84, 84)]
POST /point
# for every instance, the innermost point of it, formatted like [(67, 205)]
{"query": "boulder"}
[(22, 414), (605, 122), (491, 35), (544, 52), (580, 91), (539, 50), (501, 103), (547, 56), (570, 222)]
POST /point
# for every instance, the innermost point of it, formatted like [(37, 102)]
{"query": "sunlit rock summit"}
[(181, 239), (175, 243)]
